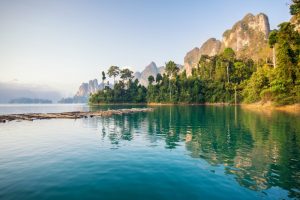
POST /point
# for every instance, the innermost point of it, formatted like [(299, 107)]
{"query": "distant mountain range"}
[(83, 92), (25, 100), (15, 90)]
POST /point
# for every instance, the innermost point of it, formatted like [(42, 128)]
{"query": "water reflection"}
[(260, 151)]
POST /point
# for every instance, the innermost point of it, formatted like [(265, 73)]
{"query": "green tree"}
[(272, 42), (150, 80), (126, 75), (113, 71), (171, 70), (228, 57), (158, 78)]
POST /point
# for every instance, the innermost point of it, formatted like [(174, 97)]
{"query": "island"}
[(24, 100)]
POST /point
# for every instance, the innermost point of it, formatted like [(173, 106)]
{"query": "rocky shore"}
[(70, 115)]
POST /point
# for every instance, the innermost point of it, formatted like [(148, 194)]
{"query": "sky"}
[(62, 43)]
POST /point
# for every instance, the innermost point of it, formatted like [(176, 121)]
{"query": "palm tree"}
[(113, 71), (126, 75), (103, 78), (158, 78), (150, 79)]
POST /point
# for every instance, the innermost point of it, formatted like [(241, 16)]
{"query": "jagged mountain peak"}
[(247, 37)]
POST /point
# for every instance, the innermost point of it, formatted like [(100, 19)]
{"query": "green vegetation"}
[(125, 90), (216, 79), (280, 84), (220, 78)]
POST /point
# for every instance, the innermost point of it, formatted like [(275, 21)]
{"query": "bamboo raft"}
[(70, 115)]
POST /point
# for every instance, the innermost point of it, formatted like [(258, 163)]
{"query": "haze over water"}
[(177, 152)]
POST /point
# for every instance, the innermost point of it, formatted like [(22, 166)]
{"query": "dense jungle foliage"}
[(220, 78)]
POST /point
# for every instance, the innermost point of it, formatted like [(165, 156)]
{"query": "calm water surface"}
[(177, 152)]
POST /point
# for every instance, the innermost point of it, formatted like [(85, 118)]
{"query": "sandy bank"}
[(269, 106)]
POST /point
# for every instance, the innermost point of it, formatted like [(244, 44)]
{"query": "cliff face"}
[(296, 23), (149, 70), (153, 70), (248, 38), (211, 47), (191, 59), (86, 89)]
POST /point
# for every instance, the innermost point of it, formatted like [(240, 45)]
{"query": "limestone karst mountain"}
[(248, 38), (153, 70), (211, 47), (150, 70), (84, 90)]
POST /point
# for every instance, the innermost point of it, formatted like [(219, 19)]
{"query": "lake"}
[(174, 152)]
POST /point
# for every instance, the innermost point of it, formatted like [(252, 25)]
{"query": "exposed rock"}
[(161, 70), (248, 38), (137, 75), (86, 89), (153, 70), (149, 70), (296, 23), (211, 47)]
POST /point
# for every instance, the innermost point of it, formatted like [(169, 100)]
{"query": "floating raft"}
[(70, 115)]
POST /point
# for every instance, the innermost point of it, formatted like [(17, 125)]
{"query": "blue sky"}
[(61, 43)]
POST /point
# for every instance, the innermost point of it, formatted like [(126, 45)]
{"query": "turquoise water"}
[(178, 152)]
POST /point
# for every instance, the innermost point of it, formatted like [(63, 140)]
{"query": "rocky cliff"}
[(149, 70), (85, 89), (248, 38), (296, 23), (211, 47)]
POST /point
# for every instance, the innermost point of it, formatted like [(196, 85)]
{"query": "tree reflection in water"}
[(260, 150)]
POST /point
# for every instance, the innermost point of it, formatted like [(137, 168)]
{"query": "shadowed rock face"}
[(248, 38)]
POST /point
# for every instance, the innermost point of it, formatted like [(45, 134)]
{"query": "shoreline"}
[(190, 104), (269, 107), (163, 104), (258, 106)]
